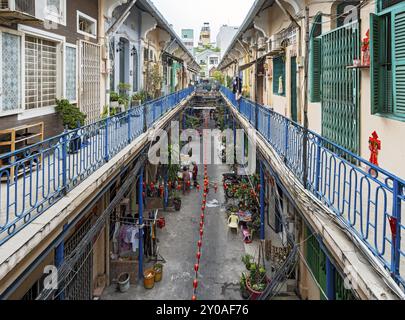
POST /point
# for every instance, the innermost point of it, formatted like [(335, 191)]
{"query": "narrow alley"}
[(222, 250)]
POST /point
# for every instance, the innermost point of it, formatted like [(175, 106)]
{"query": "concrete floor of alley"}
[(220, 265)]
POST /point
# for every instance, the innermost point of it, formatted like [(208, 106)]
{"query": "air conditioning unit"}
[(26, 7), (274, 43)]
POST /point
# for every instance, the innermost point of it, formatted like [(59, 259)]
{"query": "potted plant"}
[(176, 201), (114, 97), (72, 119), (158, 268), (136, 99), (256, 281), (243, 289), (247, 261), (124, 89), (122, 104)]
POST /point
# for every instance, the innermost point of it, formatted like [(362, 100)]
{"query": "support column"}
[(234, 140), (166, 188), (330, 280), (262, 182), (59, 259), (140, 210)]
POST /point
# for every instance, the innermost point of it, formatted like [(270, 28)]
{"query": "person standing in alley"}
[(186, 180), (195, 173)]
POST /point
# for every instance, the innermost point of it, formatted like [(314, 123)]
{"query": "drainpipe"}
[(262, 182), (140, 206)]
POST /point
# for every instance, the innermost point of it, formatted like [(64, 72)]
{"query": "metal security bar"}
[(340, 86), (366, 198), (46, 171)]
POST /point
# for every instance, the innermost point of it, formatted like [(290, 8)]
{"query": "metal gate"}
[(90, 78), (340, 86), (79, 282)]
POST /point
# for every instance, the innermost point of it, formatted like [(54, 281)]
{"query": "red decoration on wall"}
[(195, 284), (393, 225), (375, 147)]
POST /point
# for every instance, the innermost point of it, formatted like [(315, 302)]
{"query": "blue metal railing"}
[(366, 198), (34, 178)]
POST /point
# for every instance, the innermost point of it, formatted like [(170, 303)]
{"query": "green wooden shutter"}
[(398, 32), (315, 60), (315, 70), (375, 62), (278, 71)]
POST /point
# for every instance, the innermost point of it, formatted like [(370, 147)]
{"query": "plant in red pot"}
[(256, 281)]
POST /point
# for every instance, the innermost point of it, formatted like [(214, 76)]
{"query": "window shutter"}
[(315, 61), (315, 70), (398, 25), (375, 62)]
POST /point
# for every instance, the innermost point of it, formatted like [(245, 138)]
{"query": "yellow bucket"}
[(149, 279), (158, 268)]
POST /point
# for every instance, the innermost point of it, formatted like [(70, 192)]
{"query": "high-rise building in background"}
[(187, 36), (225, 36), (205, 35)]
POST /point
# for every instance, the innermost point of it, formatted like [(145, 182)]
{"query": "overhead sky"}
[(191, 14)]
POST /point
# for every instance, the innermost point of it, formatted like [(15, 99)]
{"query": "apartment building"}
[(47, 55), (354, 96)]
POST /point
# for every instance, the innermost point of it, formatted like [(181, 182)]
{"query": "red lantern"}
[(202, 217), (201, 224), (195, 284), (198, 256), (199, 243), (179, 187), (201, 232), (194, 298), (196, 267), (204, 201)]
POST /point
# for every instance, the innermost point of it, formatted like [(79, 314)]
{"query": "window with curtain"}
[(279, 76), (40, 72), (71, 72), (387, 33)]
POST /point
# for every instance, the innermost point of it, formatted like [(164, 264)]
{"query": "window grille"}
[(40, 73)]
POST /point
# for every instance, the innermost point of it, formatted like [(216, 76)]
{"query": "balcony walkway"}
[(362, 197), (52, 194)]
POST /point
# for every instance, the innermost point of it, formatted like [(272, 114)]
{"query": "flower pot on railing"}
[(75, 143)]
